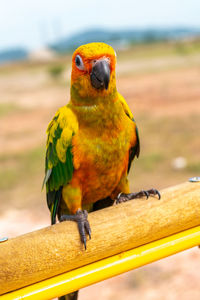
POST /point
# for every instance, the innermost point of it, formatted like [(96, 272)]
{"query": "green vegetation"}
[(56, 71), (160, 49), (194, 167), (7, 108), (18, 168), (150, 161)]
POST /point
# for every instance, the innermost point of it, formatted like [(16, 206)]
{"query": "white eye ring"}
[(79, 62)]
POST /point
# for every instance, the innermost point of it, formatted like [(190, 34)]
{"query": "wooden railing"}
[(51, 262)]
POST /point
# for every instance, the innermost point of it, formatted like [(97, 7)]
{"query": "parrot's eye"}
[(79, 62)]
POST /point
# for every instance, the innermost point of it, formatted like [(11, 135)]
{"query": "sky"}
[(34, 23)]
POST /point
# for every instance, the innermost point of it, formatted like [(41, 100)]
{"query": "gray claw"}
[(159, 195), (83, 225), (84, 242), (146, 194), (154, 192), (88, 229), (125, 197)]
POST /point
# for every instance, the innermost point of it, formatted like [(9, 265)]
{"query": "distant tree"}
[(56, 71)]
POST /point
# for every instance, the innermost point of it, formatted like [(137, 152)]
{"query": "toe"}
[(146, 193), (81, 229), (84, 242), (87, 228), (159, 195), (154, 192), (83, 225)]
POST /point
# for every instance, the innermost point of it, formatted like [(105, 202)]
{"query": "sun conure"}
[(91, 142)]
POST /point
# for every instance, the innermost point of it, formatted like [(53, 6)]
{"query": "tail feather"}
[(97, 205), (71, 296)]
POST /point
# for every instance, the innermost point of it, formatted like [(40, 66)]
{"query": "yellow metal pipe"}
[(54, 250), (107, 268)]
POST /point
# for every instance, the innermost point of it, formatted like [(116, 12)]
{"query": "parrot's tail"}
[(71, 296)]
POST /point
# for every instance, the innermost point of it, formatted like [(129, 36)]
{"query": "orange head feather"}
[(93, 73)]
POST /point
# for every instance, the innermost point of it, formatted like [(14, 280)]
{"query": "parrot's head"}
[(93, 73)]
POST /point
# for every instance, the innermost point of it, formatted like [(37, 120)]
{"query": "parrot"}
[(91, 143)]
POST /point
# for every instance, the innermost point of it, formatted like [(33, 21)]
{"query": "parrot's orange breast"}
[(101, 158)]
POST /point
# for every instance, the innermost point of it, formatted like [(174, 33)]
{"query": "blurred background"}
[(158, 73)]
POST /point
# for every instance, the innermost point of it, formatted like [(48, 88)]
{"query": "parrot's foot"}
[(126, 197), (83, 225)]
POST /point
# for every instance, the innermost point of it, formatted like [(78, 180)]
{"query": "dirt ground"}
[(164, 95)]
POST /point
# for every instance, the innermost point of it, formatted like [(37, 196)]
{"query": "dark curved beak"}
[(100, 75)]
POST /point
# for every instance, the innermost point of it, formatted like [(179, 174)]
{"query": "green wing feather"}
[(59, 158), (135, 150)]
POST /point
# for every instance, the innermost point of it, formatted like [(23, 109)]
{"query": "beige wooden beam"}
[(56, 249)]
